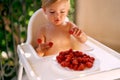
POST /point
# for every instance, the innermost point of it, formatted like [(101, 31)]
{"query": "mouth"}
[(57, 20)]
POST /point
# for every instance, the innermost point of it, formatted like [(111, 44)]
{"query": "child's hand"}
[(78, 34), (75, 31), (43, 47)]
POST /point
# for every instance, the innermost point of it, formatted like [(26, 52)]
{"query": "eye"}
[(62, 11), (52, 12)]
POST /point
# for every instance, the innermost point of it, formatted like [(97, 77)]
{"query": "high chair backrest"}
[(36, 21)]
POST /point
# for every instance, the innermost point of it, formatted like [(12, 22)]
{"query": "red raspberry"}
[(68, 58), (50, 44), (74, 61), (89, 64), (75, 67), (64, 64), (39, 40), (71, 32), (81, 67)]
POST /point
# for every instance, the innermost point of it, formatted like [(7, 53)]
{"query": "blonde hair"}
[(46, 3)]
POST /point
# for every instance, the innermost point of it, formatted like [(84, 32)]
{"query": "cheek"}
[(50, 18), (64, 16)]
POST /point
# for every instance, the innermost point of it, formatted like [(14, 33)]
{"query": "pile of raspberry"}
[(75, 60)]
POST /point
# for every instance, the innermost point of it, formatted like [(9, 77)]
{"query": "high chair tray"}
[(107, 65)]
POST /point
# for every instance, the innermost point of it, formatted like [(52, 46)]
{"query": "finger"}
[(44, 46), (72, 30), (38, 49), (75, 31), (78, 33)]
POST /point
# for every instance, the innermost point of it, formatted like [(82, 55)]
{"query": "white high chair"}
[(36, 21)]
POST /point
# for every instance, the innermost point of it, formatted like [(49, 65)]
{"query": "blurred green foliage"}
[(72, 10)]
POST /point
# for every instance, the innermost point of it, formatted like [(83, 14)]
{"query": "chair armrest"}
[(22, 51)]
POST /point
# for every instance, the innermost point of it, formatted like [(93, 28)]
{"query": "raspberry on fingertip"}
[(50, 44), (71, 32), (39, 40)]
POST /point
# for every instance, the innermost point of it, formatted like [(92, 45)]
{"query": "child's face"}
[(57, 12)]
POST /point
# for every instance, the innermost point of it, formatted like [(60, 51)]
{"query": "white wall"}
[(100, 19)]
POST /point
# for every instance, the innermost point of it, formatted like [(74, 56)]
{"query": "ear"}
[(44, 9)]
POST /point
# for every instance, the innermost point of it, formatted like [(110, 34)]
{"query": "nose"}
[(57, 15)]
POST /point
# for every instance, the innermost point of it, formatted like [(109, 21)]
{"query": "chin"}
[(57, 24)]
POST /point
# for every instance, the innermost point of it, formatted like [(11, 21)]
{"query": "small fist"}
[(75, 31)]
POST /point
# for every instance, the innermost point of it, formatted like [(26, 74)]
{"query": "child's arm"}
[(77, 33)]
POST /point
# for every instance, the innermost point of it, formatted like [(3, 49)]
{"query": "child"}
[(58, 34)]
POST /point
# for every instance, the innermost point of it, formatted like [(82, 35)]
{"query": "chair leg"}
[(20, 73)]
